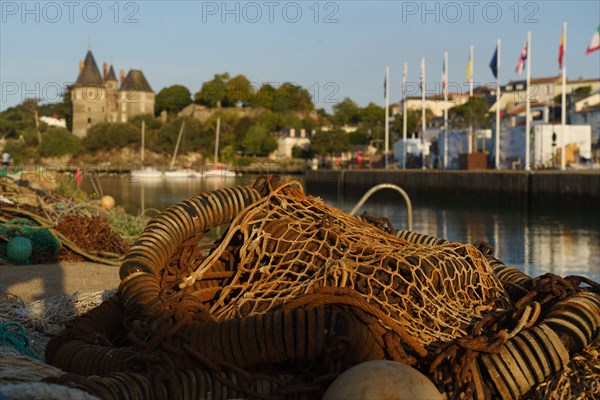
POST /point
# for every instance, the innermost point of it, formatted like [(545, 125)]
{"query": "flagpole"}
[(387, 115), (563, 113), (445, 109), (471, 77), (498, 105), (423, 123), (470, 138), (404, 121), (527, 103)]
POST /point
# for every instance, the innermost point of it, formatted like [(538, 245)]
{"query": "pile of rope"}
[(295, 292), (59, 228)]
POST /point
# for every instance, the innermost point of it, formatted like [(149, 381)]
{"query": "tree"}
[(194, 138), (329, 142), (360, 136), (151, 121), (172, 99), (19, 152), (413, 120), (372, 115), (212, 93), (263, 97), (238, 89), (57, 142), (291, 97), (346, 112), (111, 135), (63, 109), (258, 141), (472, 113)]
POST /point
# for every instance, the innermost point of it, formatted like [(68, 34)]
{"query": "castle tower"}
[(112, 96), (135, 96), (88, 97)]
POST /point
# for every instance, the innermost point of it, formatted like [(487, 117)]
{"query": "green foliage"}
[(238, 89), (212, 93), (57, 142), (152, 122), (303, 153), (62, 109), (258, 141), (372, 114), (329, 142), (413, 120), (194, 137), (346, 112), (290, 97), (15, 119), (127, 226), (19, 152), (472, 113), (583, 90), (360, 136), (263, 97), (30, 136), (111, 135), (172, 99)]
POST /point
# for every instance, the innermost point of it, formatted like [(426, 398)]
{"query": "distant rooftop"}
[(90, 75), (111, 74), (136, 81)]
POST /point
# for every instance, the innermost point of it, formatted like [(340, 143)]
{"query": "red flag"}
[(561, 50), (522, 59)]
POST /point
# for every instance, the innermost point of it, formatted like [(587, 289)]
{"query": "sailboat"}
[(182, 172), (217, 170), (145, 172)]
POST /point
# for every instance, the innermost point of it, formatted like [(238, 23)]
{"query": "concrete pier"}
[(508, 186)]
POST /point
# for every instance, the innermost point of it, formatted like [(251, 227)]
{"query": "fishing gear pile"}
[(39, 226), (295, 292)]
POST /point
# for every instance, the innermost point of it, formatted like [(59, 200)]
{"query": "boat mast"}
[(177, 145), (217, 140)]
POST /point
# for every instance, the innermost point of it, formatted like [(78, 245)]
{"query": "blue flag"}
[(494, 63)]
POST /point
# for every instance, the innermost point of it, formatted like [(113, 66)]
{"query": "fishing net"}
[(44, 244), (292, 248), (295, 292)]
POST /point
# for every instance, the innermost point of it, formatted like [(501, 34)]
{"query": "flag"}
[(444, 75), (595, 42), (522, 59), (494, 63), (385, 86), (561, 50), (422, 77), (469, 68)]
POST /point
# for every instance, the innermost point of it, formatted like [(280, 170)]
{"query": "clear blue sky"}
[(339, 51)]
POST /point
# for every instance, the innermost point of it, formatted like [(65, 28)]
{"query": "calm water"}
[(561, 240)]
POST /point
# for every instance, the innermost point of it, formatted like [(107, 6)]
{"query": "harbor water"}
[(564, 241)]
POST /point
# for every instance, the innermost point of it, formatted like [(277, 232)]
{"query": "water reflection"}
[(561, 241)]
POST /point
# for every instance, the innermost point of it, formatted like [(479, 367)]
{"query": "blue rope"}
[(16, 339)]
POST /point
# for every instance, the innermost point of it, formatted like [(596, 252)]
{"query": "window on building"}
[(89, 120)]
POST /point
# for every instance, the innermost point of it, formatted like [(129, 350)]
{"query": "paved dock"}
[(35, 282)]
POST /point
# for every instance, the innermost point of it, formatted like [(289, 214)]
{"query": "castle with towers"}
[(102, 98)]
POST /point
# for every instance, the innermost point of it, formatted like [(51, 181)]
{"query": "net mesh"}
[(289, 249)]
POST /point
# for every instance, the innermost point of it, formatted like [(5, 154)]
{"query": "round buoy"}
[(107, 202), (19, 249), (382, 379)]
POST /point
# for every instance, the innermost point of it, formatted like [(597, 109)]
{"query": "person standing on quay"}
[(5, 159)]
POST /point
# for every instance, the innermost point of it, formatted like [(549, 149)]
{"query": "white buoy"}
[(382, 379), (107, 202)]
